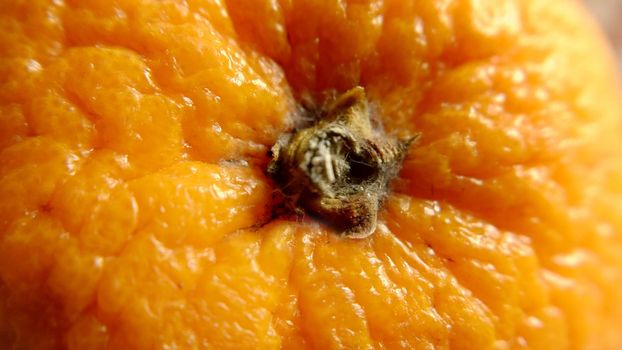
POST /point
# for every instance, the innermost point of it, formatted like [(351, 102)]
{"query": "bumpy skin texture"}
[(134, 211)]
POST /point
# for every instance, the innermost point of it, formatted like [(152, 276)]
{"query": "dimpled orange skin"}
[(135, 212)]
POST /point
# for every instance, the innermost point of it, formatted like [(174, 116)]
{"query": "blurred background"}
[(609, 14)]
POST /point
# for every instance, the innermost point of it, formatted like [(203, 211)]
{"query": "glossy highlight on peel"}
[(135, 212)]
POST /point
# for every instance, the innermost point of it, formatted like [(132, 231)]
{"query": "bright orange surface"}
[(135, 214)]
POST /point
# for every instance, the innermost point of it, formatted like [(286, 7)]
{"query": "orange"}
[(135, 212)]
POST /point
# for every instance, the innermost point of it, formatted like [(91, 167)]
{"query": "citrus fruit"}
[(136, 211)]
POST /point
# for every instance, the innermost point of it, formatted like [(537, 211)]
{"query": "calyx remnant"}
[(339, 167)]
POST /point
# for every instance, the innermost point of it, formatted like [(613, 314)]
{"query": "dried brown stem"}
[(339, 168)]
